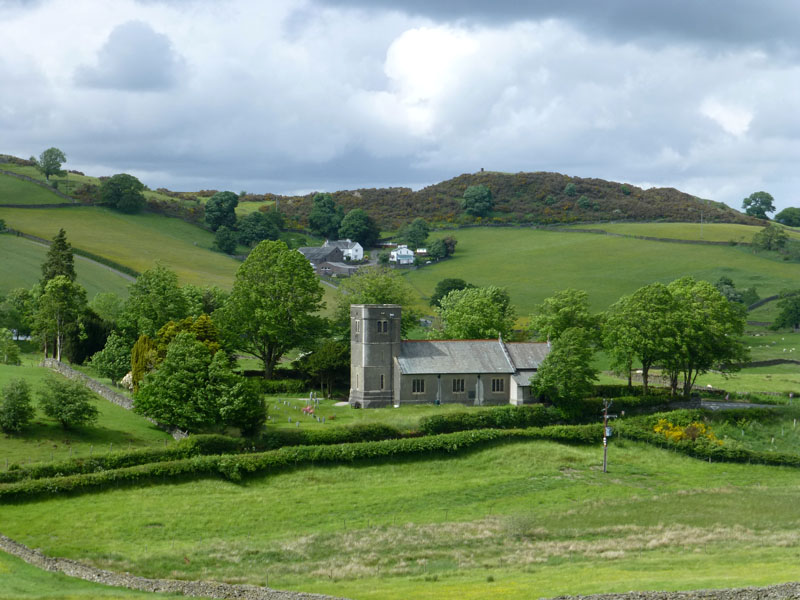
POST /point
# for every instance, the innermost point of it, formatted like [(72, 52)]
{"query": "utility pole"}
[(606, 431)]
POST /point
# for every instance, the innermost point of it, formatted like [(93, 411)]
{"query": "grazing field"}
[(17, 191), (778, 379), (21, 261), (45, 439), (517, 520), (137, 241), (709, 232), (532, 264)]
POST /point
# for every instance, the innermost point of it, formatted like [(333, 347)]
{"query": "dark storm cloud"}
[(134, 58)]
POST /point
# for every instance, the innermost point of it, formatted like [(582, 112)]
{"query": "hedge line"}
[(236, 466), (106, 261)]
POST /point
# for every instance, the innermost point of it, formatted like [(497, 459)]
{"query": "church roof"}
[(431, 357)]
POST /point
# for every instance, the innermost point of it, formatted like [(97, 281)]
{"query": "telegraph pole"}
[(606, 431)]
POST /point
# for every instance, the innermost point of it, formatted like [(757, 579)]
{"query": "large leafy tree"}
[(58, 311), (9, 351), (707, 332), (325, 217), (328, 361), (273, 305), (221, 210), (564, 309), (445, 286), (123, 192), (114, 360), (226, 239), (758, 204), (50, 162), (154, 298), (16, 410), (477, 313), (59, 259), (16, 311), (772, 237), (259, 226), (375, 286), (789, 316), (416, 233), (640, 328), (567, 372), (789, 216), (477, 201), (358, 226)]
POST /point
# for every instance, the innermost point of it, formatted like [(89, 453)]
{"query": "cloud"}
[(134, 58)]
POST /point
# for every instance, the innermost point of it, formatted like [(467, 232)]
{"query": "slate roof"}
[(343, 244), (431, 357), (319, 254)]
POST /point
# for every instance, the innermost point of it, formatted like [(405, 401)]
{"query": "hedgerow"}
[(502, 417)]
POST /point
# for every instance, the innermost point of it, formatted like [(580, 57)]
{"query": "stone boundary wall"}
[(783, 591), (206, 589), (105, 392), (40, 183), (762, 302)]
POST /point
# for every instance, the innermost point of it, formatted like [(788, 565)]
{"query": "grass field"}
[(20, 266), (136, 241), (532, 264), (46, 440), (517, 520), (709, 232), (17, 191)]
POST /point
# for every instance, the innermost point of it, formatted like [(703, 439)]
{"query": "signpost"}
[(607, 431)]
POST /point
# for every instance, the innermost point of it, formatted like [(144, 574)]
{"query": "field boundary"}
[(648, 238), (782, 591), (206, 589), (39, 183)]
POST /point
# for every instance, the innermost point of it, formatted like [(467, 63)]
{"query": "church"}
[(385, 370)]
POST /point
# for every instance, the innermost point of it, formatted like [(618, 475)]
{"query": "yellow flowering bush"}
[(692, 432)]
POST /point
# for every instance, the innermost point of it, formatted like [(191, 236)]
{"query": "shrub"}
[(504, 417), (68, 402), (282, 386), (16, 410)]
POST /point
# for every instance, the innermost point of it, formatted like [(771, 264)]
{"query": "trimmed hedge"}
[(234, 467), (502, 417), (611, 390), (584, 410)]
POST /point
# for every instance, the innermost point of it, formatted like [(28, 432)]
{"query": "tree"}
[(203, 300), (477, 313), (375, 286), (153, 299), (108, 306), (789, 316), (640, 327), (477, 201), (123, 192), (59, 259), (273, 305), (772, 237), (16, 410), (445, 286), (238, 401), (328, 361), (202, 327), (567, 372), (758, 204), (59, 308), (144, 358), (415, 233), (226, 239), (9, 351), (50, 162), (114, 360), (563, 310), (87, 337), (707, 332), (570, 189), (16, 311), (221, 210), (789, 216), (67, 401), (437, 249), (358, 226), (450, 243), (325, 217), (259, 226)]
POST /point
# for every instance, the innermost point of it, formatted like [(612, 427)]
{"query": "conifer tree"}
[(60, 260)]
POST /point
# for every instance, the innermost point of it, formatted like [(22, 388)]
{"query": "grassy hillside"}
[(709, 232), (517, 520), (17, 191), (20, 266), (533, 264), (136, 241)]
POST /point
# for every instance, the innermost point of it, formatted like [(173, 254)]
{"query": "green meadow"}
[(20, 266), (136, 241), (515, 520), (532, 264), (709, 232), (17, 191)]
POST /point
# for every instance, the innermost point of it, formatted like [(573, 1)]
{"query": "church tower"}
[(374, 344)]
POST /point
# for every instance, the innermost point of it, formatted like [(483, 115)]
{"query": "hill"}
[(524, 198)]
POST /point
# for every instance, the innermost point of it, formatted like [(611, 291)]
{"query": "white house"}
[(350, 250), (402, 256)]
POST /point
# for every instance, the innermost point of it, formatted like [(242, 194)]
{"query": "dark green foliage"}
[(16, 410), (415, 233), (123, 192), (9, 351), (789, 216), (610, 390), (789, 316), (477, 200), (226, 239), (50, 162), (282, 386), (328, 363), (87, 338), (59, 260), (445, 286), (567, 373), (570, 189), (221, 210), (358, 226), (325, 217), (564, 309), (728, 289), (758, 204), (114, 360), (375, 286), (772, 237), (143, 359), (203, 300), (67, 401), (476, 313), (437, 249), (503, 417), (260, 226), (58, 313)]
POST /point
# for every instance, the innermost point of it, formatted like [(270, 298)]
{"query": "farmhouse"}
[(386, 370), (329, 259), (402, 256)]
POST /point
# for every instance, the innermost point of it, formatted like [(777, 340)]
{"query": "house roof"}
[(317, 254), (343, 244), (431, 357)]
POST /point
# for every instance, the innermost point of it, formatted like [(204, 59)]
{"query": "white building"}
[(350, 249), (402, 256)]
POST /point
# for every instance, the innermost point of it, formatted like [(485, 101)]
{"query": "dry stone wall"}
[(785, 591)]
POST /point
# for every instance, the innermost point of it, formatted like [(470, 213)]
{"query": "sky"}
[(289, 96)]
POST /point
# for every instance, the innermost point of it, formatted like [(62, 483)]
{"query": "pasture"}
[(21, 261), (532, 264), (136, 241), (17, 191), (515, 520), (709, 232)]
